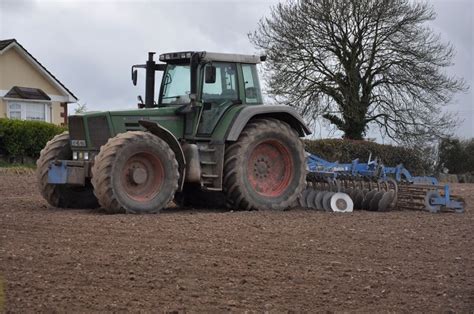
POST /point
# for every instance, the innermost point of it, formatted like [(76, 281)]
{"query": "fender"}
[(172, 141), (283, 113)]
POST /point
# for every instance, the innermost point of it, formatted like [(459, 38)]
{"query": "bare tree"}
[(361, 63), (81, 108)]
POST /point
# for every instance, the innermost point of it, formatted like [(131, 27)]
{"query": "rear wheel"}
[(135, 172), (265, 168), (62, 195)]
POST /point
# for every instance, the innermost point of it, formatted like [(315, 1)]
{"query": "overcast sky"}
[(90, 45)]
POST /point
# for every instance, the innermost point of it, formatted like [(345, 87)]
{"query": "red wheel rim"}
[(270, 168), (142, 176)]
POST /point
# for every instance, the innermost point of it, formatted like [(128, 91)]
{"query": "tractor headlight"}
[(74, 155), (81, 155), (86, 156)]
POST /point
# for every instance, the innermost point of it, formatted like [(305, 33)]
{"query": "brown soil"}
[(190, 260)]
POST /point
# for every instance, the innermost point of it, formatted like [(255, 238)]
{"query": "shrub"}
[(19, 139), (456, 155), (345, 151)]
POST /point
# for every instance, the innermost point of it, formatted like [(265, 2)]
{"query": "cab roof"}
[(211, 56)]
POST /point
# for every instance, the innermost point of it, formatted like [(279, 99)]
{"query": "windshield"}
[(176, 84)]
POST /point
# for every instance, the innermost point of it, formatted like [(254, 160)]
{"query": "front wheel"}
[(135, 172), (265, 168), (61, 195)]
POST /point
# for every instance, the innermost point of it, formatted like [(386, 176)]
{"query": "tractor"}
[(207, 132)]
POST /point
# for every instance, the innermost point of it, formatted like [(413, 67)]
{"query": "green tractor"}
[(208, 133)]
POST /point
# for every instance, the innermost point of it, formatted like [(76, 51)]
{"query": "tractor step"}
[(211, 156), (207, 150), (207, 176), (211, 163)]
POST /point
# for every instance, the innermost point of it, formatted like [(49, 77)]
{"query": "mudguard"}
[(172, 141), (283, 113)]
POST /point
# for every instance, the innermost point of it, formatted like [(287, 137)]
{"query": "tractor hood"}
[(91, 130)]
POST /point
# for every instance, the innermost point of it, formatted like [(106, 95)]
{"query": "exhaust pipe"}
[(150, 81)]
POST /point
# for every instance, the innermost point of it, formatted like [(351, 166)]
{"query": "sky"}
[(90, 45)]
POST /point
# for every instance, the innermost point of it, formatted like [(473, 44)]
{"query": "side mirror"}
[(134, 77), (210, 74)]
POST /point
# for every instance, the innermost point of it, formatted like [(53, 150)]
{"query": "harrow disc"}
[(368, 197), (327, 201), (358, 199), (310, 198), (303, 197), (387, 201), (318, 201), (341, 203), (374, 202)]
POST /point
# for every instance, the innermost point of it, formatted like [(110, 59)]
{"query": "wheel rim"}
[(142, 176), (270, 168)]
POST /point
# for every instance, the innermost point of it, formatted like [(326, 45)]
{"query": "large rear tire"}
[(135, 172), (265, 168), (62, 195)]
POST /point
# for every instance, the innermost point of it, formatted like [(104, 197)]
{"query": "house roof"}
[(27, 93), (5, 43), (9, 43)]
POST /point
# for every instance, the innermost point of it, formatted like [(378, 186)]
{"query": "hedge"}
[(345, 151), (19, 139)]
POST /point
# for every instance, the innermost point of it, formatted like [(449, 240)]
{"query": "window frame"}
[(47, 107)]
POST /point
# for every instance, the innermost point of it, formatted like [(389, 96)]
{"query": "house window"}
[(29, 111), (14, 111), (35, 112)]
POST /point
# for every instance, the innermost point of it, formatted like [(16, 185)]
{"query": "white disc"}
[(342, 203)]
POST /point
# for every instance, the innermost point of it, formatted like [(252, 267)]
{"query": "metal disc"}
[(386, 201), (358, 199), (341, 203), (349, 191), (327, 201), (368, 198), (310, 198), (302, 198), (318, 201), (374, 202)]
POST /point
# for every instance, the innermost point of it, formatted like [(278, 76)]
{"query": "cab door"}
[(218, 96)]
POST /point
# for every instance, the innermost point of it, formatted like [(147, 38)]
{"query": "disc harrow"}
[(371, 186)]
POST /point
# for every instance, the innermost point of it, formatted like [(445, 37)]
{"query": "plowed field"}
[(215, 260)]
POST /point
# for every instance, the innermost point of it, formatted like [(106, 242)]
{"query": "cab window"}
[(253, 95), (224, 89), (176, 84)]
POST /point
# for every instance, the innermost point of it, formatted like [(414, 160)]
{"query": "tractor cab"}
[(204, 78), (202, 85)]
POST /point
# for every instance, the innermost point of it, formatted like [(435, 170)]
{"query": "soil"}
[(215, 260)]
